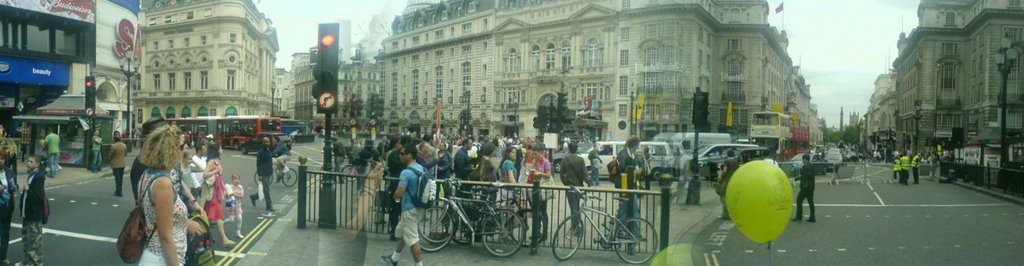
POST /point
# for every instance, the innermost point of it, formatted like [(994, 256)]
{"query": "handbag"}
[(134, 236)]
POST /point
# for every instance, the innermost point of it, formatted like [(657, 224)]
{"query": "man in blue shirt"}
[(408, 224), (281, 154)]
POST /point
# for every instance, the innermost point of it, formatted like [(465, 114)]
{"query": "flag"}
[(779, 9), (728, 115)]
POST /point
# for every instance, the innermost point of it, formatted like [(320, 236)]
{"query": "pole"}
[(631, 112), (1004, 147)]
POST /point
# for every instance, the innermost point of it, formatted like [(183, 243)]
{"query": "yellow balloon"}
[(760, 200)]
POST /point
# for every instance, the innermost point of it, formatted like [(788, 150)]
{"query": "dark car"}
[(255, 143), (820, 164)]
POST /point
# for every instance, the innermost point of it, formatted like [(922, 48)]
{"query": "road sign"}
[(327, 101)]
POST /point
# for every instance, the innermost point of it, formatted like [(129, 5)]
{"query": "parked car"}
[(255, 143), (821, 166)]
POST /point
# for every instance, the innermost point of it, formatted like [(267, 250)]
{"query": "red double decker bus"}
[(232, 131)]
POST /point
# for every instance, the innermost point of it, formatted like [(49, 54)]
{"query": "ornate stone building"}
[(946, 69), (499, 60), (205, 58)]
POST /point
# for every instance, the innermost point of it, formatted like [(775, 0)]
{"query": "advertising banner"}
[(38, 72), (117, 33), (83, 10)]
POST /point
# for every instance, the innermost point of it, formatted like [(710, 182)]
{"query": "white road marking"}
[(812, 250), (956, 246), (868, 216), (872, 188), (749, 251), (230, 254), (14, 241), (92, 203), (928, 216), (901, 247), (782, 251), (72, 201), (871, 248), (879, 198), (73, 234), (115, 205), (917, 205), (828, 216), (840, 249), (985, 214)]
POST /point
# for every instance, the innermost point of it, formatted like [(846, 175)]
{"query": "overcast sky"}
[(842, 46)]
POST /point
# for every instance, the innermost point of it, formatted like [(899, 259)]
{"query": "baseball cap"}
[(209, 136)]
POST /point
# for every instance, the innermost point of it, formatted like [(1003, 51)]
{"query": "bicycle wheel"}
[(637, 240), (436, 229), (289, 178), (504, 233), (567, 239)]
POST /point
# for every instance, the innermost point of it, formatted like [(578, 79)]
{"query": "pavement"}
[(283, 243)]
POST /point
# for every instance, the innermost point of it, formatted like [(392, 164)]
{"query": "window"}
[(189, 15), (170, 44), (625, 4), (593, 53), (232, 38), (950, 19), (734, 67), (167, 19), (1012, 33), (467, 28), (439, 34), (949, 48), (466, 75), (652, 30), (202, 40), (415, 87), (204, 80), (535, 58), (466, 49), (171, 78), (512, 61), (948, 76), (623, 110), (624, 34), (734, 44), (156, 45), (623, 85), (566, 55), (483, 95), (624, 58), (187, 41), (439, 80), (549, 57), (156, 82), (231, 79), (734, 92), (650, 56), (188, 81), (1015, 3)]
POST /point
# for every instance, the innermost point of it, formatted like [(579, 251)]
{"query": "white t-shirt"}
[(198, 168)]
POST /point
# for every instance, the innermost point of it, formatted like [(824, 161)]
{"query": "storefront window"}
[(38, 39), (186, 112), (170, 112), (203, 111), (155, 112), (231, 111)]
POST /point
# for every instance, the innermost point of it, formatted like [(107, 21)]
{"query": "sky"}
[(841, 46)]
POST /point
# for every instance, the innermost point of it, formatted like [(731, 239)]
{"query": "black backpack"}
[(426, 192)]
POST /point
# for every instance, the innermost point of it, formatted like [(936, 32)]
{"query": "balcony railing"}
[(651, 68), (948, 102), (734, 97), (734, 78)]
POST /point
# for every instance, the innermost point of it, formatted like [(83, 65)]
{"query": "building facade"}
[(946, 75), (205, 58), (499, 61), (880, 117), (283, 95)]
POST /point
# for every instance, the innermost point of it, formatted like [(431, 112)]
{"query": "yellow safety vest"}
[(905, 163), (896, 165), (916, 162)]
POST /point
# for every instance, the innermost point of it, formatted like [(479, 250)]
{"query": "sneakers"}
[(387, 260), (239, 234)]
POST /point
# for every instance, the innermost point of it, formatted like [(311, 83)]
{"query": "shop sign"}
[(36, 72)]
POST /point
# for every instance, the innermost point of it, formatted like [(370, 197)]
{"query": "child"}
[(34, 212), (234, 194)]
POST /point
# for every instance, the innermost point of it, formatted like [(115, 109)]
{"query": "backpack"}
[(426, 192), (613, 169), (200, 248)]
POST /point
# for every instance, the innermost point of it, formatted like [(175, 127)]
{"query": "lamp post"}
[(1005, 62), (273, 98), (130, 68), (917, 125)]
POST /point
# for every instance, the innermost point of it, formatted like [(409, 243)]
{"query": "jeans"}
[(623, 212), (51, 159), (97, 161), (266, 193), (595, 176), (118, 179)]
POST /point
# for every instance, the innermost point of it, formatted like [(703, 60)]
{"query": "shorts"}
[(408, 226)]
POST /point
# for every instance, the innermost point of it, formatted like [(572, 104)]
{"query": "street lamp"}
[(130, 68), (273, 98), (917, 124), (1005, 62)]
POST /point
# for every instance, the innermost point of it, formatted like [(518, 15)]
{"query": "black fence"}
[(1010, 181), (333, 199)]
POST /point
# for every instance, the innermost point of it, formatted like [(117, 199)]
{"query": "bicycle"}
[(502, 231), (634, 240), (286, 176)]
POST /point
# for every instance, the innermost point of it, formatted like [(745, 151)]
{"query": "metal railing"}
[(1011, 181), (333, 199)]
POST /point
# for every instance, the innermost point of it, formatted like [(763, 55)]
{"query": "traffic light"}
[(542, 117), (700, 110), (327, 53), (314, 65), (561, 113), (90, 95)]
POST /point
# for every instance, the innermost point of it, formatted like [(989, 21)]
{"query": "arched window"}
[(170, 112), (186, 112), (566, 54), (535, 58), (230, 111), (155, 112), (203, 111), (593, 53), (549, 56), (734, 67), (512, 60)]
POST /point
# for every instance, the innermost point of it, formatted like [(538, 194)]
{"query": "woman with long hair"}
[(166, 212), (215, 206)]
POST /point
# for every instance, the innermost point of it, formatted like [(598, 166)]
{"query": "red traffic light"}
[(88, 83), (327, 40)]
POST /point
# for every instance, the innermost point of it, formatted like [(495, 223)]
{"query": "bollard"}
[(301, 223), (694, 191), (666, 205), (328, 218), (535, 214)]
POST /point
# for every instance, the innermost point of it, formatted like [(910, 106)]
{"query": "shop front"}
[(67, 117), (27, 85)]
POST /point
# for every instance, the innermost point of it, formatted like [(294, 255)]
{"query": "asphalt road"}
[(86, 218), (869, 220)]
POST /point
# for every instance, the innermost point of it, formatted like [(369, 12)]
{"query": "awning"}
[(45, 118), (110, 106)]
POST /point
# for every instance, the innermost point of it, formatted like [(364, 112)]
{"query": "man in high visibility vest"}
[(915, 163), (904, 169), (896, 166)]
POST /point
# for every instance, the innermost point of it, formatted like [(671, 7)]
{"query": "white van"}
[(706, 139), (662, 156)]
